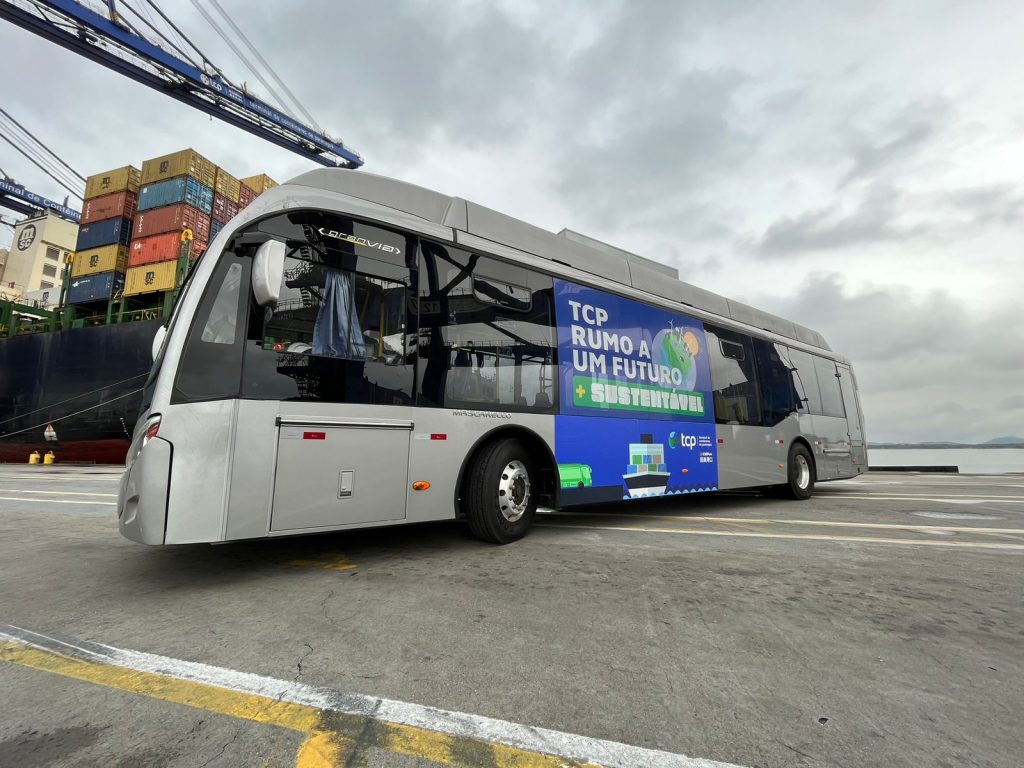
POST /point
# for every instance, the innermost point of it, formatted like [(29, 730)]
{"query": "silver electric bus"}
[(356, 351)]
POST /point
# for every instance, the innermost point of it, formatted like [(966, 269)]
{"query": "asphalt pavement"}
[(878, 624)]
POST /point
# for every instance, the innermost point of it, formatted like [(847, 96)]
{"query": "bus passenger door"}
[(337, 472), (854, 423)]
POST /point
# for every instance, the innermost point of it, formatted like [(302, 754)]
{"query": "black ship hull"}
[(85, 382)]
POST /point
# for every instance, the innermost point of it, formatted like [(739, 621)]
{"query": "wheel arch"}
[(801, 440), (549, 473)]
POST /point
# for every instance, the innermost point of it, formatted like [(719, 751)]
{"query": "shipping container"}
[(215, 228), (123, 179), (223, 209), (187, 162), (227, 185), (246, 195), (155, 248), (108, 258), (119, 205), (94, 287), (172, 218), (104, 233), (149, 278), (260, 183), (183, 189)]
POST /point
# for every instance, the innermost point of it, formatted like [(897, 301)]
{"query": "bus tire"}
[(800, 474), (502, 482)]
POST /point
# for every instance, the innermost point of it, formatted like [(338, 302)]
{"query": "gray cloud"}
[(898, 141), (874, 218), (929, 368)]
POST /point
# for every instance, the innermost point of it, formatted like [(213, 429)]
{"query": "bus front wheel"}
[(800, 474), (501, 491)]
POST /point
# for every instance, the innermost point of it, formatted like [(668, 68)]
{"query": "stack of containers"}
[(226, 193), (177, 194), (101, 255)]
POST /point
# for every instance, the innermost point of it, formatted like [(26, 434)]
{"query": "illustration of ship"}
[(647, 472)]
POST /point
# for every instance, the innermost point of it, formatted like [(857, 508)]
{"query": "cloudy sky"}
[(857, 167)]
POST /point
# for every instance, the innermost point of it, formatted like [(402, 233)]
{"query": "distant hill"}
[(1005, 441)]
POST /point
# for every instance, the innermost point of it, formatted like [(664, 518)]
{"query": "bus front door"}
[(853, 415), (333, 473)]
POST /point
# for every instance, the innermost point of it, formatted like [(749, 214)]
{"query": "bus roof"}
[(567, 247)]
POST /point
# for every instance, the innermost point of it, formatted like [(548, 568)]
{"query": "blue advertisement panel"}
[(637, 415)]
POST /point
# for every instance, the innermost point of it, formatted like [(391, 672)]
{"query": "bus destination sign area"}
[(637, 416)]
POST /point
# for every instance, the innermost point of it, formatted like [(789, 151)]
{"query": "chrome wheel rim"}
[(803, 472), (513, 491)]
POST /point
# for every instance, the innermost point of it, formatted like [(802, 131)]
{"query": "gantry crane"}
[(110, 41)]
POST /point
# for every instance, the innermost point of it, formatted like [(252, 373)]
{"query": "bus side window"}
[(211, 362), (487, 335), (806, 379), (343, 328), (733, 377), (828, 383), (778, 391)]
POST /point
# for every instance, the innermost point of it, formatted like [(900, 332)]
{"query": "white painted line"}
[(57, 493), (60, 501), (803, 536), (779, 521), (460, 724), (946, 500)]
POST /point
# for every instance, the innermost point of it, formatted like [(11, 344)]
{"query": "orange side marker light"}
[(420, 485)]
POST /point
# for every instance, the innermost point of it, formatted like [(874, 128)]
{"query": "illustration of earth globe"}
[(678, 349)]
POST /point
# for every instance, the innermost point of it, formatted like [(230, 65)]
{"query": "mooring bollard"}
[(33, 458)]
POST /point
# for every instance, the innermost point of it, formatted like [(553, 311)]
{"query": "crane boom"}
[(78, 28), (17, 198)]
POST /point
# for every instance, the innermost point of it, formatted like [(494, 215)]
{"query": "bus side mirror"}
[(267, 272), (158, 340)]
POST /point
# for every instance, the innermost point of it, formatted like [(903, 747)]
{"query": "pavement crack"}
[(323, 606), (222, 749), (298, 664)]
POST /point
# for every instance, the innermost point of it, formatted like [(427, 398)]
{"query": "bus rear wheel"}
[(501, 488), (800, 474)]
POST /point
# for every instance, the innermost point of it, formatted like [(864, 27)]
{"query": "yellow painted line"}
[(822, 523), (246, 706), (322, 749), (330, 563), (804, 536)]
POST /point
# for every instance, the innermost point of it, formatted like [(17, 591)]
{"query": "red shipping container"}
[(172, 218), (223, 209), (245, 196), (120, 205), (155, 248)]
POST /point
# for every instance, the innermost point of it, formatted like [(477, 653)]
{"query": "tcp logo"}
[(94, 260), (105, 182), (164, 166), (150, 278)]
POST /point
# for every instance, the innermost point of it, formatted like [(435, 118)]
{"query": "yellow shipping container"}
[(260, 183), (106, 258), (227, 185), (187, 162), (118, 180), (150, 278)]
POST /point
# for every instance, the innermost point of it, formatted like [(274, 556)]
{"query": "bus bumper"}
[(142, 498)]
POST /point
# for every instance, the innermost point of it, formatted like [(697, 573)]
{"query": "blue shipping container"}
[(106, 232), (95, 287), (182, 189), (215, 228)]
